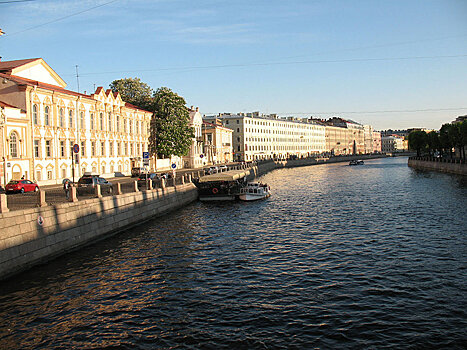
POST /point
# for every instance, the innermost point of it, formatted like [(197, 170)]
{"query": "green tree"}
[(134, 91), (444, 139), (463, 132), (433, 142), (418, 140), (455, 137), (171, 133)]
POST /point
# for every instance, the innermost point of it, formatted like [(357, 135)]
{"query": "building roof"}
[(29, 82), (8, 66)]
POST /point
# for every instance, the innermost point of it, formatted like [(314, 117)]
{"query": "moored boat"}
[(356, 162), (254, 191), (223, 186)]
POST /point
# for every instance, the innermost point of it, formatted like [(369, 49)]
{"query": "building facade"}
[(392, 144), (110, 134), (376, 142), (217, 143), (194, 159), (257, 137)]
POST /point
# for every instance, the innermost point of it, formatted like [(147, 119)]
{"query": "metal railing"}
[(439, 159)]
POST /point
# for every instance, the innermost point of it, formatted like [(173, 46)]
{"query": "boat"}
[(254, 191), (356, 162), (225, 186)]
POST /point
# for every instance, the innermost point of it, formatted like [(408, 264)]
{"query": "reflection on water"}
[(339, 257)]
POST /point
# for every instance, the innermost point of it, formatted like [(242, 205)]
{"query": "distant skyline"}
[(391, 64)]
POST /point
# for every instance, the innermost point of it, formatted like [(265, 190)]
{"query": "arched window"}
[(46, 115), (101, 119), (92, 122), (70, 118), (35, 118), (13, 145)]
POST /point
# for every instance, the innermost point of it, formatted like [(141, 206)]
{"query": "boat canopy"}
[(230, 175)]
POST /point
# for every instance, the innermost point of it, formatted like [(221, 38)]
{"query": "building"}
[(393, 143), (376, 142), (44, 121), (194, 159), (368, 138), (266, 137), (217, 143)]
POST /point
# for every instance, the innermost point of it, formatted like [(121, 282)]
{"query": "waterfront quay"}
[(339, 257)]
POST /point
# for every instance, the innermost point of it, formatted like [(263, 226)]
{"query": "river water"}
[(370, 256)]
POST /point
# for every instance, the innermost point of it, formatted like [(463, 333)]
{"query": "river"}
[(339, 257)]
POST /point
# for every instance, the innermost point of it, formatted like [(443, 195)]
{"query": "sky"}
[(393, 64)]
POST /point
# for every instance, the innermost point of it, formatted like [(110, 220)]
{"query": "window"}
[(118, 123), (110, 121), (238, 121), (61, 117), (131, 126), (62, 148), (13, 145), (36, 148), (70, 118), (92, 122), (119, 148), (101, 120), (124, 125), (102, 148), (81, 120), (93, 149), (83, 152), (71, 147), (137, 127), (126, 149), (131, 149), (238, 129), (111, 149), (49, 174), (48, 148), (34, 114), (46, 115)]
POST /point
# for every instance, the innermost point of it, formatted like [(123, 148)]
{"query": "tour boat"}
[(224, 186), (254, 191), (356, 162)]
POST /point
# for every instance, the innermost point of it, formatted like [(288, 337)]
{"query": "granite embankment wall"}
[(32, 236), (441, 165)]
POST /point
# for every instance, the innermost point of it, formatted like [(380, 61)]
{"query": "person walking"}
[(66, 188)]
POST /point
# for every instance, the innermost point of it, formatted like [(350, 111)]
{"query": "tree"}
[(171, 133), (134, 91), (418, 141), (433, 141), (444, 138), (463, 132)]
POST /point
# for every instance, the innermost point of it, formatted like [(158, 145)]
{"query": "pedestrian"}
[(22, 177), (66, 188)]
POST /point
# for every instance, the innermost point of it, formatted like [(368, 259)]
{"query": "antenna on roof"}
[(77, 76)]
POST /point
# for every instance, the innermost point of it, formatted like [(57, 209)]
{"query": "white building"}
[(264, 137), (111, 134), (393, 143), (194, 159)]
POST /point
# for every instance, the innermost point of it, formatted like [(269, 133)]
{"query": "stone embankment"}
[(32, 236), (29, 237), (452, 166)]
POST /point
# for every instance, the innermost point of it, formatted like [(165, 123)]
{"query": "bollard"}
[(41, 199), (189, 178), (135, 186), (119, 188), (162, 183), (149, 185), (98, 191), (183, 179), (3, 204), (72, 194), (199, 174)]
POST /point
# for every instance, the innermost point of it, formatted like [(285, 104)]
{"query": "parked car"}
[(138, 171), (152, 177), (88, 183), (211, 170), (21, 186)]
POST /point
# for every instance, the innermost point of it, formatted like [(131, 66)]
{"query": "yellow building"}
[(110, 133), (217, 142)]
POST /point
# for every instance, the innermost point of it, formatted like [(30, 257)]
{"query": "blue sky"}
[(357, 59)]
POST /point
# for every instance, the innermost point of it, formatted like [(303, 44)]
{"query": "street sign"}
[(145, 155), (201, 155), (76, 148), (40, 220), (174, 166), (145, 162)]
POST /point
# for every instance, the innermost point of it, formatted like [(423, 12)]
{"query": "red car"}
[(21, 186)]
